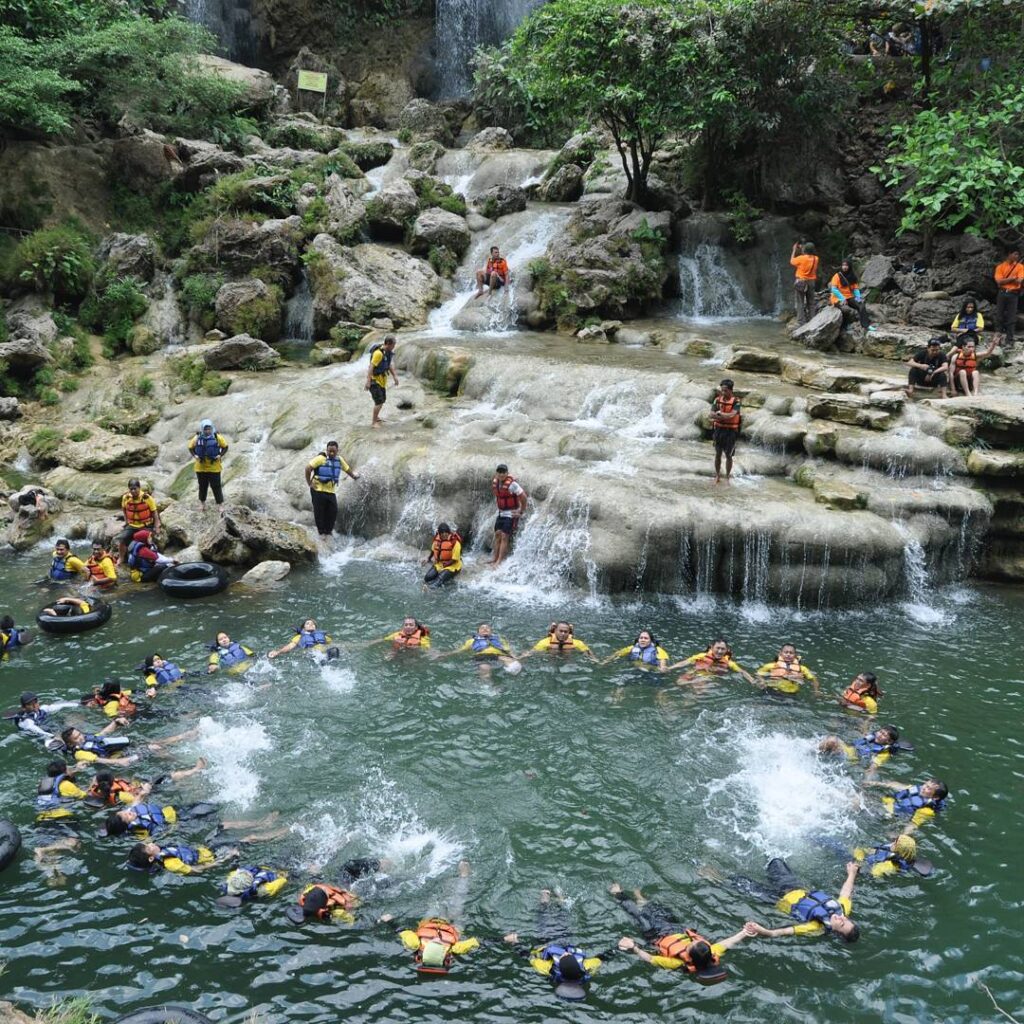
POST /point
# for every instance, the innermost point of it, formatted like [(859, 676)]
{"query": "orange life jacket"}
[(441, 550), (730, 418), (125, 705), (677, 947), (137, 513), (506, 499), (965, 361), (412, 639), (96, 573), (707, 662), (437, 929), (856, 692), (116, 787), (337, 899), (782, 670)]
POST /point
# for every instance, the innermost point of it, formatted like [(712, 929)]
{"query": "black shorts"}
[(125, 536), (378, 394), (725, 441), (500, 281), (919, 378), (505, 524)]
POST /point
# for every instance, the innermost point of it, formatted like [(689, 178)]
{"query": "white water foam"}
[(338, 678), (229, 749)]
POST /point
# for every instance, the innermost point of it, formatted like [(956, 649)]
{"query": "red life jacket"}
[(137, 513), (709, 663), (96, 573), (730, 417), (507, 501), (337, 899), (412, 639), (966, 362), (441, 550), (116, 787)]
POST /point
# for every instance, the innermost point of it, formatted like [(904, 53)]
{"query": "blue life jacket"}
[(49, 792), (555, 952), (816, 906), (330, 471), (135, 561), (150, 818), (648, 655), (260, 877), (96, 745), (312, 638), (207, 448), (10, 640), (232, 654), (883, 853), (909, 800), (59, 568), (39, 717), (866, 747), (968, 322), (385, 364), (481, 643), (168, 673), (186, 854)]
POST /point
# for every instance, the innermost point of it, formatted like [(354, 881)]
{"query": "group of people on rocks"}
[(950, 368), (94, 769)]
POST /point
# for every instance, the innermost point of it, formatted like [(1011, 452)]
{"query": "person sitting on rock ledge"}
[(968, 321), (963, 364), (929, 369), (445, 558), (845, 292), (495, 274), (140, 513)]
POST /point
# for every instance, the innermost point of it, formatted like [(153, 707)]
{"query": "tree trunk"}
[(924, 24)]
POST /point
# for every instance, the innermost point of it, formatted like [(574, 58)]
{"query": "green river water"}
[(567, 776)]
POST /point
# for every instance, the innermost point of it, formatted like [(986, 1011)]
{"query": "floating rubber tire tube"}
[(164, 1015), (67, 623), (10, 842), (193, 579)]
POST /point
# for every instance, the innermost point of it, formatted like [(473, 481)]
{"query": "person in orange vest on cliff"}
[(725, 423), (844, 291), (140, 513), (511, 500), (1009, 277), (805, 262)]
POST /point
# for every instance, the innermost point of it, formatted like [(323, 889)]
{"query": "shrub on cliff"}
[(55, 261), (113, 309)]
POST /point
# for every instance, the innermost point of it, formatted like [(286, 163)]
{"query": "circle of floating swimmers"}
[(136, 813)]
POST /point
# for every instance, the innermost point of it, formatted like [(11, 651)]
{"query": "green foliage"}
[(54, 261), (433, 192), (963, 169), (81, 434), (43, 444), (743, 215), (113, 309), (259, 317), (552, 295), (34, 95), (144, 386), (248, 191), (489, 208), (198, 292), (48, 396), (583, 155), (443, 260), (347, 336), (300, 135), (4, 332), (193, 373), (315, 216), (404, 136), (367, 155), (77, 357), (69, 1011)]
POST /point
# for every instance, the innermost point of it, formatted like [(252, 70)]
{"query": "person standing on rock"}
[(140, 513), (495, 274), (1009, 277), (207, 448), (725, 423), (845, 291), (323, 474), (804, 260), (929, 368), (511, 500), (377, 375)]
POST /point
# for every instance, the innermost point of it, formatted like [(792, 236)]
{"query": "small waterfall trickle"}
[(462, 26), (706, 289), (231, 21), (298, 314)]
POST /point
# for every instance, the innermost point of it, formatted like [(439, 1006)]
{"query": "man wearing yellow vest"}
[(140, 513)]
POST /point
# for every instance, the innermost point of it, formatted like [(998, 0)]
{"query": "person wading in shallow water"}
[(725, 423), (381, 357), (323, 472), (511, 499)]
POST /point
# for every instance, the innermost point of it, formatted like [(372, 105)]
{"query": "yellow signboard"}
[(313, 81)]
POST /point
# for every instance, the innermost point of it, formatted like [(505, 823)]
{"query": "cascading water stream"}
[(298, 314), (231, 21)]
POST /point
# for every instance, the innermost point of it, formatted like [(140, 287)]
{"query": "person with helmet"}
[(568, 967), (511, 499), (896, 858), (381, 358), (863, 694), (207, 449), (253, 882), (65, 566), (140, 513), (676, 946), (787, 673), (35, 719), (726, 420), (323, 474), (814, 911), (145, 563), (445, 558)]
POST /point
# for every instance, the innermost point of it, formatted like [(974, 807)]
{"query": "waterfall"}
[(231, 21), (462, 26), (706, 289), (298, 314)]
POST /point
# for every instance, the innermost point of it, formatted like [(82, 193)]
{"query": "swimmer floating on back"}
[(644, 652)]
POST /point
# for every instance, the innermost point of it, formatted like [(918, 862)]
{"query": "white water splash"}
[(338, 678), (229, 749), (708, 293)]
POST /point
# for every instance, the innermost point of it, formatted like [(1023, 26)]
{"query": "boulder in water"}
[(491, 139), (500, 200), (822, 330), (839, 495), (423, 156), (266, 574), (425, 122), (436, 227), (392, 210), (129, 256), (564, 186), (241, 352), (102, 451), (249, 307)]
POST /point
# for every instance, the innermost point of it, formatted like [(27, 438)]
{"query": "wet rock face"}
[(103, 451), (241, 352), (436, 227), (426, 122), (249, 307)]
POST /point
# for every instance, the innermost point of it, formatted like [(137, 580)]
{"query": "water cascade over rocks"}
[(232, 22)]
